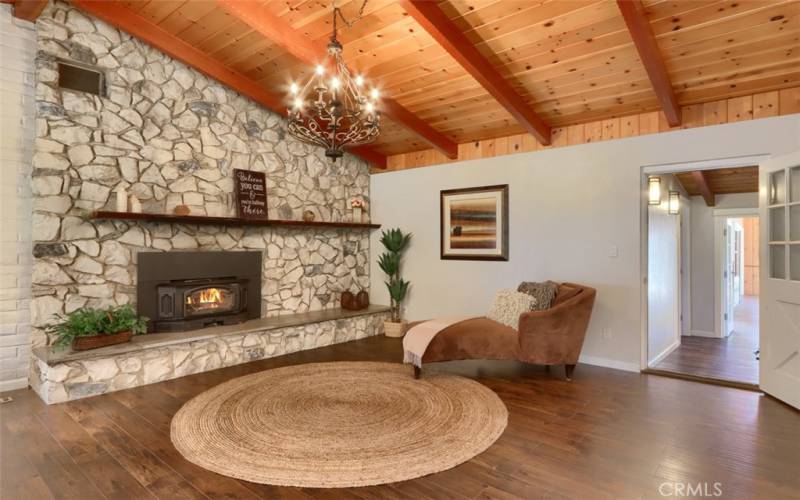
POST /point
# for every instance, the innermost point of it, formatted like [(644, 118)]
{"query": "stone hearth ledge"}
[(61, 374)]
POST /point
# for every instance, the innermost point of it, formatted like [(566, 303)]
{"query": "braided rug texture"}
[(342, 424)]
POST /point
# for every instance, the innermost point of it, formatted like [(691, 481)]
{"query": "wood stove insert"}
[(187, 290)]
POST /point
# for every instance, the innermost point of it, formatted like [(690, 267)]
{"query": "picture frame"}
[(473, 223)]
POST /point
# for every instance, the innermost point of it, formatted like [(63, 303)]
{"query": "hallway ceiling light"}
[(674, 202), (654, 190)]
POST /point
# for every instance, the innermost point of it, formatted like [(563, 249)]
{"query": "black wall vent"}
[(80, 78)]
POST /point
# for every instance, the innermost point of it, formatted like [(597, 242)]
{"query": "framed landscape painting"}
[(474, 223)]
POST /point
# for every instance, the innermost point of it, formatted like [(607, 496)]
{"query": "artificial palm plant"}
[(395, 243)]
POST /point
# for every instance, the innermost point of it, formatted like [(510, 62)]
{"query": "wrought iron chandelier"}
[(332, 109)]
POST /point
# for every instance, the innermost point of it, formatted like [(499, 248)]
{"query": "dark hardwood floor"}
[(606, 434), (732, 359)]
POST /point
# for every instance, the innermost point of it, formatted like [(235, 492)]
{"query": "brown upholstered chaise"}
[(550, 337)]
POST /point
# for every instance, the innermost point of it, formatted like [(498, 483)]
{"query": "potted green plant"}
[(395, 242), (92, 328)]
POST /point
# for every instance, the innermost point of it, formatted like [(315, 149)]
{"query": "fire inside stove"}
[(212, 299)]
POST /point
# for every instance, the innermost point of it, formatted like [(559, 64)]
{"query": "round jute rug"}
[(328, 425)]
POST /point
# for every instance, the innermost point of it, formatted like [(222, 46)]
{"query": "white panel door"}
[(779, 202), (728, 277)]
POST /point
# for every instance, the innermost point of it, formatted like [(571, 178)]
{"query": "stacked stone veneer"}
[(171, 136), (78, 379)]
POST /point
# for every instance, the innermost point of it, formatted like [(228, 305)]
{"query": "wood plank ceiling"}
[(570, 61), (721, 181)]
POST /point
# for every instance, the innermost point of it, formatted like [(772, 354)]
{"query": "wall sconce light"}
[(674, 202), (654, 190)]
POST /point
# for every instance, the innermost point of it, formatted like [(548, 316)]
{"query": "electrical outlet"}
[(607, 333)]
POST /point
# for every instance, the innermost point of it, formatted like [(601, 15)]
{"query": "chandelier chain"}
[(337, 12)]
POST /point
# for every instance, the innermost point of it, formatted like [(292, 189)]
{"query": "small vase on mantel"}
[(362, 299), (357, 204)]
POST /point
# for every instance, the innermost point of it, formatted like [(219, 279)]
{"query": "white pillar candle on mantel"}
[(135, 204), (122, 198), (357, 214)]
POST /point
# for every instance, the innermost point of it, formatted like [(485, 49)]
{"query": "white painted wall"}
[(17, 99), (663, 277), (704, 286), (569, 206)]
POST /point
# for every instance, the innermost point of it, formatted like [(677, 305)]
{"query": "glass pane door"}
[(794, 223), (784, 224)]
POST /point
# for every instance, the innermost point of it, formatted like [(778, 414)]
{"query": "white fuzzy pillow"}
[(507, 305)]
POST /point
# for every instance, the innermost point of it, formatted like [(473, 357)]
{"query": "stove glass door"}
[(210, 300)]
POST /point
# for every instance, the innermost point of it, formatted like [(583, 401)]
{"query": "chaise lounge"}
[(553, 336)]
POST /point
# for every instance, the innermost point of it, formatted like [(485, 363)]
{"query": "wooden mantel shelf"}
[(226, 221)]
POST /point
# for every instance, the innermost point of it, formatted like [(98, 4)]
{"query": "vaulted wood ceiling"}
[(569, 61)]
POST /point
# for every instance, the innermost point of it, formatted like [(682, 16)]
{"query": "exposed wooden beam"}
[(29, 10), (633, 12), (275, 29), (117, 15), (449, 36), (701, 180), (682, 184), (261, 19)]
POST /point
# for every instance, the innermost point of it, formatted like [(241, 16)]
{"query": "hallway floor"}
[(730, 359)]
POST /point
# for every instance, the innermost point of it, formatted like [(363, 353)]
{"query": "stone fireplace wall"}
[(171, 136)]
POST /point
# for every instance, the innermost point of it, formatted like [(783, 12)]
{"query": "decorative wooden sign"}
[(251, 194)]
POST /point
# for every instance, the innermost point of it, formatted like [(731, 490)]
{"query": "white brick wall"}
[(17, 125)]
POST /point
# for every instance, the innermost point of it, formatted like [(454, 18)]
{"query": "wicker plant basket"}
[(95, 341), (392, 329)]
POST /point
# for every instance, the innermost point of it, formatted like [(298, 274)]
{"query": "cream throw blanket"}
[(417, 339)]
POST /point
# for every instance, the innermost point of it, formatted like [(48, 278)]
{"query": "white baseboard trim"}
[(666, 352), (609, 363), (703, 333), (11, 385)]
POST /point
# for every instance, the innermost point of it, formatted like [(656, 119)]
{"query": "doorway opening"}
[(739, 291), (703, 276)]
